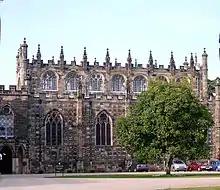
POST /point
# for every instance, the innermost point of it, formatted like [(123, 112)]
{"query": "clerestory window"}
[(49, 81)]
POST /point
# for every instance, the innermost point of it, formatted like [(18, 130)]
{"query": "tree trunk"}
[(168, 164)]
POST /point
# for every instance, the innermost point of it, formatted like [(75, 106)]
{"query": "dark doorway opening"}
[(20, 159), (6, 162)]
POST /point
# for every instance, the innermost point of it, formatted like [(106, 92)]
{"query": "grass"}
[(139, 176), (199, 188)]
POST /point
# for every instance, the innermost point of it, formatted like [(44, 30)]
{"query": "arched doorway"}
[(20, 159), (6, 162)]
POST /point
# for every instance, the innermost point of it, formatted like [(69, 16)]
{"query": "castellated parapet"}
[(66, 112)]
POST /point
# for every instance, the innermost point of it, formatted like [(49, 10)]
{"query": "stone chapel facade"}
[(67, 112)]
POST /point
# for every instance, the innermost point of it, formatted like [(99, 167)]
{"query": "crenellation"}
[(161, 66), (59, 62), (11, 90), (182, 68), (2, 87), (140, 66), (76, 95)]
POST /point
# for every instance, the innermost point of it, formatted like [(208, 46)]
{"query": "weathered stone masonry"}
[(67, 112)]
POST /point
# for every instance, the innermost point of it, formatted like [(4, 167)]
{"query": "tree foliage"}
[(166, 121)]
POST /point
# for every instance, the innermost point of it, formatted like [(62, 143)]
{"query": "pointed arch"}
[(103, 129), (118, 83), (6, 152), (6, 122), (96, 82), (54, 128), (72, 81), (139, 84), (49, 81)]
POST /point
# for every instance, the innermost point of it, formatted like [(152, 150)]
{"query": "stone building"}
[(65, 112)]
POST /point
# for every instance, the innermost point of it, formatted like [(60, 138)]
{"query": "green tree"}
[(166, 121)]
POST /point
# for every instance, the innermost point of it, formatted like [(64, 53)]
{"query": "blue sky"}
[(141, 25)]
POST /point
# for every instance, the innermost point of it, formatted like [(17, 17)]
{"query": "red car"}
[(194, 166)]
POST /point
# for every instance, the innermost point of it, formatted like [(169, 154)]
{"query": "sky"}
[(141, 25)]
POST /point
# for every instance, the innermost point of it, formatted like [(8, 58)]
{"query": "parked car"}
[(141, 168), (194, 166), (206, 166), (215, 165), (178, 165)]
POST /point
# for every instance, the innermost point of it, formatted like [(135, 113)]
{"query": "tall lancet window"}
[(6, 123), (54, 128), (72, 81), (96, 83), (118, 83), (139, 84), (103, 129), (49, 81)]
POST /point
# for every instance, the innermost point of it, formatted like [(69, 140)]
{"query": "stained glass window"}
[(95, 82), (118, 83), (49, 81), (6, 123), (103, 129), (54, 128), (139, 84), (72, 81)]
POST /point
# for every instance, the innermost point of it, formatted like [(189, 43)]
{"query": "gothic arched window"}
[(139, 84), (103, 129), (118, 83), (6, 123), (54, 128), (49, 81), (95, 82), (72, 81)]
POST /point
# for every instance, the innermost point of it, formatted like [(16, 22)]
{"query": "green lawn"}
[(138, 176), (200, 188)]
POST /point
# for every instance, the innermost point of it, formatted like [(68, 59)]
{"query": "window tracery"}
[(95, 82), (6, 123), (54, 128), (72, 81), (49, 81), (139, 84), (118, 83), (103, 129)]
